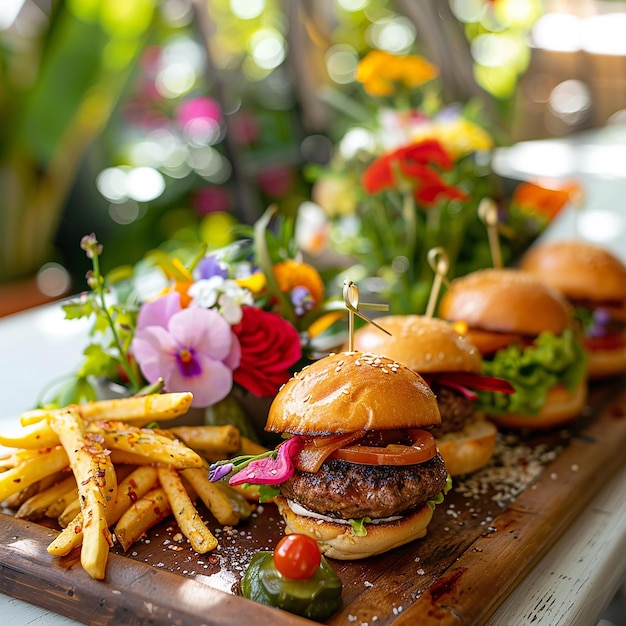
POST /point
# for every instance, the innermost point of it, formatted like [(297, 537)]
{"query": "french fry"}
[(250, 492), (226, 505), (139, 410), (35, 466), (69, 513), (222, 440), (132, 488), (148, 443), (247, 446), (32, 437), (35, 507), (141, 516), (97, 485), (188, 518), (70, 537), (57, 507)]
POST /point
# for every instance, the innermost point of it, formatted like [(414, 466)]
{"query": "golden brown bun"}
[(578, 269), (425, 344), (506, 300), (351, 391), (339, 541), (605, 363), (468, 450), (560, 407)]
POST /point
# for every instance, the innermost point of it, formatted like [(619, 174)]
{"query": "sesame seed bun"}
[(578, 269), (351, 391), (425, 344), (506, 301), (339, 541)]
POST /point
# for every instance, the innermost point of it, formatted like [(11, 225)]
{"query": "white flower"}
[(224, 294)]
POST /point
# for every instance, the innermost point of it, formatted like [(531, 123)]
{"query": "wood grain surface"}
[(482, 542)]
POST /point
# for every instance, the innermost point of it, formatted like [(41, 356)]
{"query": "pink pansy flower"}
[(192, 349)]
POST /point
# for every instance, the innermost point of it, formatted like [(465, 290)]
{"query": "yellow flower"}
[(458, 135), (255, 283), (381, 72), (291, 274)]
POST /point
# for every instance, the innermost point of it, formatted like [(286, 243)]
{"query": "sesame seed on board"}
[(513, 467)]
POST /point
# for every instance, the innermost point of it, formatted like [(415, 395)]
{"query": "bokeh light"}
[(53, 280)]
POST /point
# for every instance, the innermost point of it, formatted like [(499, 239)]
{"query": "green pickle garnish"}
[(316, 598)]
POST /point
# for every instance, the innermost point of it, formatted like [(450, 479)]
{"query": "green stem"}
[(105, 309)]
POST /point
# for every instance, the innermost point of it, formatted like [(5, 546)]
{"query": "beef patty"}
[(347, 490), (454, 408)]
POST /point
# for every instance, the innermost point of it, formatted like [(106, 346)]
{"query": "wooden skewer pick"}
[(488, 214), (438, 261), (351, 299)]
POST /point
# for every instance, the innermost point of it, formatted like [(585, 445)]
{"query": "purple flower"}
[(211, 266), (302, 300), (192, 349), (219, 470)]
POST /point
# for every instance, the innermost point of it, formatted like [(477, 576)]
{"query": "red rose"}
[(270, 345)]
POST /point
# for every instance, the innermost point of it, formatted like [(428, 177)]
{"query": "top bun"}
[(578, 269), (351, 391), (506, 301), (427, 345)]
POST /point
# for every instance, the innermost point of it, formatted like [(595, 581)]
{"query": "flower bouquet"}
[(408, 176), (221, 324)]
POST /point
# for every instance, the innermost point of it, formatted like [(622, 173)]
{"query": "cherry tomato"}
[(297, 556)]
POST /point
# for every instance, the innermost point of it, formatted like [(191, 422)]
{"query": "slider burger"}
[(360, 472), (525, 332), (451, 366), (594, 281)]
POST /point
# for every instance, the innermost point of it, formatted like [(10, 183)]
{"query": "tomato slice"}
[(423, 448), (315, 451), (609, 342)]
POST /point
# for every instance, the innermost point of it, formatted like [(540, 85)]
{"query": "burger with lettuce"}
[(526, 333), (594, 281)]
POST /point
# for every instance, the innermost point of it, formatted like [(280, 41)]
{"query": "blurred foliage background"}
[(155, 120)]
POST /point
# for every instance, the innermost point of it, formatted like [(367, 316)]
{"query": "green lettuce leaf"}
[(551, 360)]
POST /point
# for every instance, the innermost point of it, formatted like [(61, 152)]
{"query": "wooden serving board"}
[(482, 541)]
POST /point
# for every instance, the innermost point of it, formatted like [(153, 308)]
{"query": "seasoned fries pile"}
[(105, 477)]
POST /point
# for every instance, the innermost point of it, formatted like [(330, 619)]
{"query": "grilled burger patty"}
[(454, 408), (351, 491)]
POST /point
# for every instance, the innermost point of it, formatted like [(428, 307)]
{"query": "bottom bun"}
[(338, 541), (605, 363), (560, 407), (468, 450)]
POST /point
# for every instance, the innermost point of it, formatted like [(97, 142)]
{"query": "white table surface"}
[(575, 581)]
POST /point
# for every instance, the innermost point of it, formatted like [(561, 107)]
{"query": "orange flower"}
[(292, 275), (381, 72), (546, 201)]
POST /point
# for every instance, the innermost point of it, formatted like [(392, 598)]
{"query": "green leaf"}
[(268, 492), (358, 526), (97, 362), (78, 309)]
